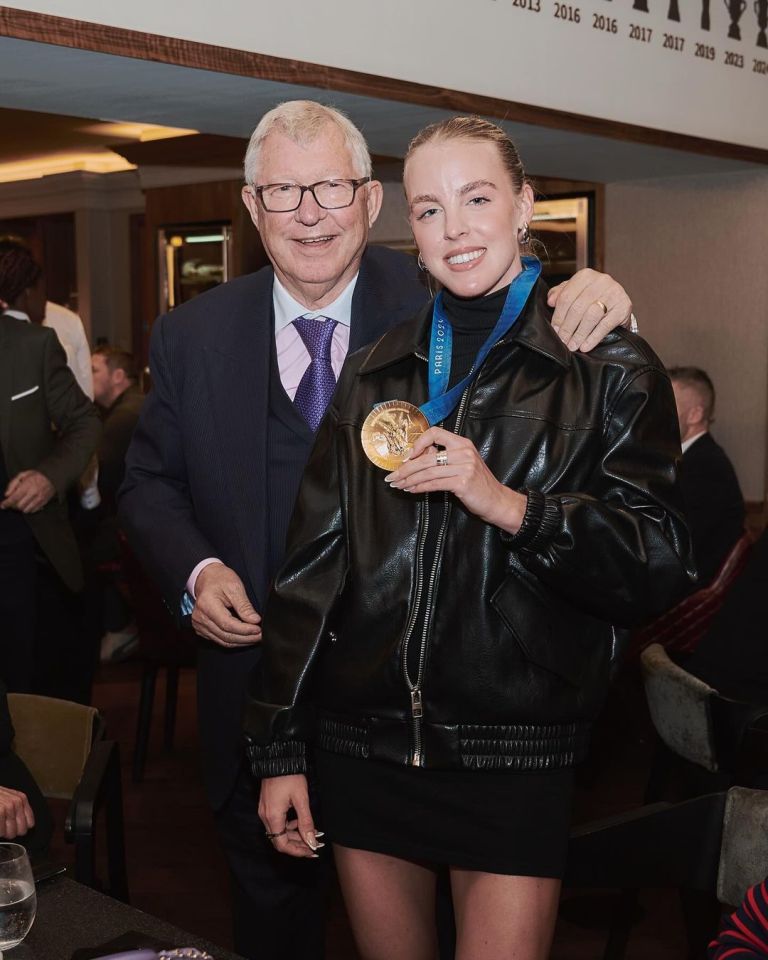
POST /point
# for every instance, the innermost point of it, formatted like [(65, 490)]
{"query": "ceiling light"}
[(102, 162)]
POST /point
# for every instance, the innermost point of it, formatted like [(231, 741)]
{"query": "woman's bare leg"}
[(391, 905), (503, 917)]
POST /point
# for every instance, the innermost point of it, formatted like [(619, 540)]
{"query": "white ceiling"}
[(48, 78)]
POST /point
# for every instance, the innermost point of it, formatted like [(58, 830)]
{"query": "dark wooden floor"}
[(177, 872)]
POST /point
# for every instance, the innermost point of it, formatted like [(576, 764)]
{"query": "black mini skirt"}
[(504, 822)]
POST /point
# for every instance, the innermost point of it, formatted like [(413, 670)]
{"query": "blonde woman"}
[(440, 636)]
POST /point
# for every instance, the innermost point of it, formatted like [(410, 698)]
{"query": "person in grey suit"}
[(48, 431), (241, 376)]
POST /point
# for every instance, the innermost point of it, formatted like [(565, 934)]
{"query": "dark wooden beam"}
[(80, 34)]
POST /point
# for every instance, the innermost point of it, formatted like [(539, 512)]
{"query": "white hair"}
[(303, 121)]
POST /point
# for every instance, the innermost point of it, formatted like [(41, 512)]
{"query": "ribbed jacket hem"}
[(523, 746), (517, 746), (279, 759)]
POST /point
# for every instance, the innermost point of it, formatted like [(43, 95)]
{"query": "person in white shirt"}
[(69, 329)]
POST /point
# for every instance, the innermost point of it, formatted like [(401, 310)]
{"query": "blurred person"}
[(439, 638), (117, 394), (241, 378), (70, 331), (714, 504), (48, 432), (116, 391), (71, 334)]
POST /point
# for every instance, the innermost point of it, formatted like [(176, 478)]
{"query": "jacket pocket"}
[(551, 634), (25, 393)]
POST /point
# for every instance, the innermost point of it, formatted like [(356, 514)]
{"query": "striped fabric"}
[(745, 932)]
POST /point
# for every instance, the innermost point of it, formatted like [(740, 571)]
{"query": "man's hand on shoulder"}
[(28, 492), (579, 318), (223, 613)]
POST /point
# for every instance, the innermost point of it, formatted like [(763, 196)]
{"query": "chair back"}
[(53, 738), (681, 628), (744, 850), (680, 706)]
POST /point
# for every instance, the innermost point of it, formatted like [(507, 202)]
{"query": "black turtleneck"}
[(472, 321)]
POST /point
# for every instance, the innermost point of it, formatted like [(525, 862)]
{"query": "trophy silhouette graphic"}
[(642, 5), (735, 9), (673, 13), (761, 9), (705, 15)]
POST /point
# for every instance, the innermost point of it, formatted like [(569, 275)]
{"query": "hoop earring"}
[(420, 262), (524, 234)]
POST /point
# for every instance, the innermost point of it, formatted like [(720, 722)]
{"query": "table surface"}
[(72, 917)]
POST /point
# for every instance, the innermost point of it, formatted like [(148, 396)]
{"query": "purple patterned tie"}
[(318, 383)]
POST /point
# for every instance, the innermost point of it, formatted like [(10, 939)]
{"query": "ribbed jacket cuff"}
[(278, 759), (541, 521)]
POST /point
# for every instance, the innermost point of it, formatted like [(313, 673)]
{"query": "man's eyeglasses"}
[(329, 194)]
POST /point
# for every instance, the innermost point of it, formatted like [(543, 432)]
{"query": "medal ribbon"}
[(442, 400)]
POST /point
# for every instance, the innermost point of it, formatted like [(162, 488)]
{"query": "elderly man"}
[(241, 378)]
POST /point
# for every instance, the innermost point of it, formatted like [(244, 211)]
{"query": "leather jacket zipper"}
[(414, 686)]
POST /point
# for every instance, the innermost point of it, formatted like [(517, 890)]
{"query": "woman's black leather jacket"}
[(519, 632)]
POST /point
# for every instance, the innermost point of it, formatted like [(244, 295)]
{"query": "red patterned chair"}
[(680, 629)]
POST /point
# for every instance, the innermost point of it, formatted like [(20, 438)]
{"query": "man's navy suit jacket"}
[(197, 477)]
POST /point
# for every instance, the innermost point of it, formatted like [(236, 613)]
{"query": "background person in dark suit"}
[(241, 376), (117, 393), (714, 505), (48, 431)]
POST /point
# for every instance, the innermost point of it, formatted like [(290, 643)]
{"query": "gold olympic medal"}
[(390, 431)]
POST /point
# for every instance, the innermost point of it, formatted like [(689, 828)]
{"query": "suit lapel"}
[(376, 305), (237, 369)]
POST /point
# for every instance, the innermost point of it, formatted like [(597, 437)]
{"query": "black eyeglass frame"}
[(355, 184)]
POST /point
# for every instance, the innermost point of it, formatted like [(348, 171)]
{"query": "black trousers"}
[(64, 659), (18, 586), (279, 902)]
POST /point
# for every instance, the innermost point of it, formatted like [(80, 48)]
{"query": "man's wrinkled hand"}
[(28, 492), (223, 613), (579, 318)]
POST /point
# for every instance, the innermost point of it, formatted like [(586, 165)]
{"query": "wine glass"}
[(18, 899)]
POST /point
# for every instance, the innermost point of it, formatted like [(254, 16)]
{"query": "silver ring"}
[(280, 833), (601, 304), (442, 458)]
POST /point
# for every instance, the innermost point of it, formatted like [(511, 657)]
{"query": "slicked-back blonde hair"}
[(303, 121), (478, 130)]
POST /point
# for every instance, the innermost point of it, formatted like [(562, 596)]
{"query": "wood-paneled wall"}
[(217, 202)]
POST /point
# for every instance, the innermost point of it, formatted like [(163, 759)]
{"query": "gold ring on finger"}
[(280, 833), (602, 306)]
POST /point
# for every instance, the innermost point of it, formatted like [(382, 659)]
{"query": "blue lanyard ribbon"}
[(442, 400)]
